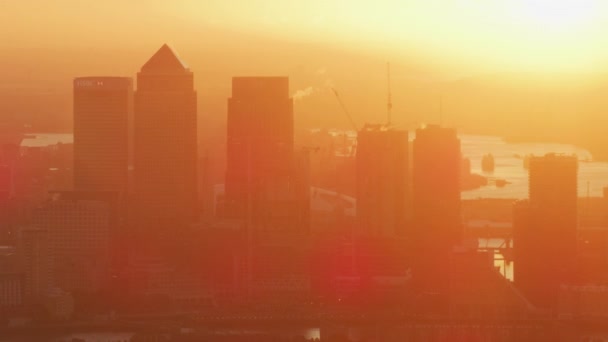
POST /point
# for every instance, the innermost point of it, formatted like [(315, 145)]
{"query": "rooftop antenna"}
[(389, 102)]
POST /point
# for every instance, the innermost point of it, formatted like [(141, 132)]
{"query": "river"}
[(593, 176)]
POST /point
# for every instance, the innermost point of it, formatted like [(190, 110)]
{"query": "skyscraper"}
[(382, 181), (546, 229), (102, 107), (436, 203), (267, 182), (436, 181), (553, 187), (262, 166), (165, 152)]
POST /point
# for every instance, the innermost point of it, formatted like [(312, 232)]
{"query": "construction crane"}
[(338, 196), (350, 119), (389, 101)]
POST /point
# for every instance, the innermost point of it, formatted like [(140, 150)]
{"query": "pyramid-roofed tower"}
[(165, 60), (165, 145)]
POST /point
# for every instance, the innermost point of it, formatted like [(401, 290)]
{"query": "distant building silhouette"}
[(268, 187), (108, 206), (545, 229), (7, 183), (11, 292), (382, 181), (102, 106), (605, 205), (155, 277), (7, 210), (34, 252), (165, 152), (437, 225), (301, 181), (262, 165), (281, 270), (78, 233), (479, 292)]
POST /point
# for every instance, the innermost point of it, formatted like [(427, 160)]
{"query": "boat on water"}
[(500, 183), (487, 163), (472, 181)]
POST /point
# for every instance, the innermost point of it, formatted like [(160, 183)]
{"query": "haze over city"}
[(269, 170), (491, 61)]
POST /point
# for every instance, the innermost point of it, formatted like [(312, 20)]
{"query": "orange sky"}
[(497, 63), (554, 35)]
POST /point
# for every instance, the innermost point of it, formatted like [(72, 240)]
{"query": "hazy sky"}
[(459, 50), (553, 35)]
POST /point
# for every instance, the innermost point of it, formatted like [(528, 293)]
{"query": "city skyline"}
[(319, 61), (275, 184), (103, 234)]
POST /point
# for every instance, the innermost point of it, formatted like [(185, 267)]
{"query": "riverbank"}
[(594, 144)]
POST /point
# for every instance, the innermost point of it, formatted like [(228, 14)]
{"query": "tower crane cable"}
[(350, 119)]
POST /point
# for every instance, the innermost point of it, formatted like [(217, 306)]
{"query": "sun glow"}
[(517, 35), (493, 35), (555, 15)]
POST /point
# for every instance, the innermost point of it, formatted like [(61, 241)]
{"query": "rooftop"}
[(165, 60)]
